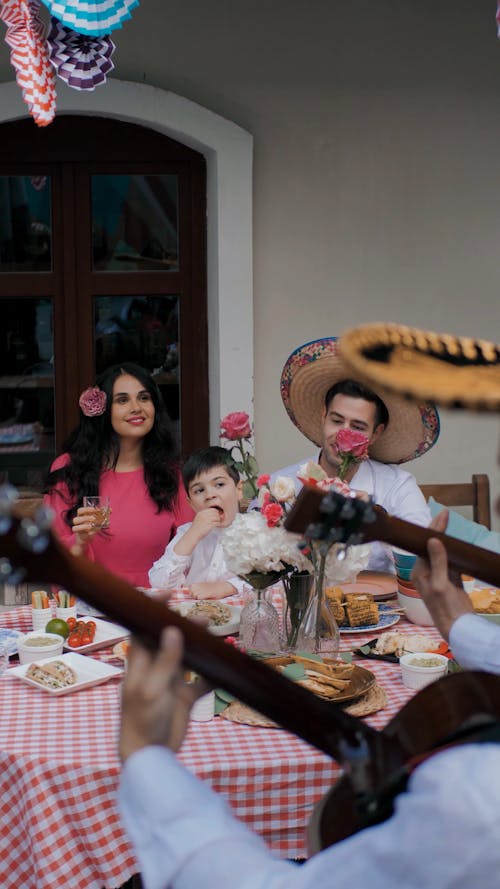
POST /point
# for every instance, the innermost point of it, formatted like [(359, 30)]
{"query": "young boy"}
[(194, 556)]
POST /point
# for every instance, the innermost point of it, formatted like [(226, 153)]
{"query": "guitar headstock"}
[(330, 517)]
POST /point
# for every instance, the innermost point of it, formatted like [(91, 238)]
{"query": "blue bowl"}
[(404, 573), (402, 559)]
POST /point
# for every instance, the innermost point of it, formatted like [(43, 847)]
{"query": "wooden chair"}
[(475, 493)]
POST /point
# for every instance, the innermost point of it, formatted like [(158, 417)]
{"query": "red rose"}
[(93, 402), (272, 513), (353, 442), (235, 425), (262, 480)]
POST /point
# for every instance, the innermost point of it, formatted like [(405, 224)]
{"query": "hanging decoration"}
[(92, 17), (81, 61), (29, 56)]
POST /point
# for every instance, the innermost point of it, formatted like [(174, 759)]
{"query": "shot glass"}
[(102, 510)]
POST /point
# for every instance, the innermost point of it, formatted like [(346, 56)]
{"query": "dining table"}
[(59, 820)]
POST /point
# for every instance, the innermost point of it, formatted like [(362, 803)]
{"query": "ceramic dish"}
[(360, 680), (8, 639), (380, 584), (227, 629), (88, 671), (15, 438), (387, 618), (106, 634), (367, 651)]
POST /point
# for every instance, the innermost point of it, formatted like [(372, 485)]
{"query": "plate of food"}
[(391, 646), (101, 633), (332, 680), (387, 617), (223, 620), (65, 674), (8, 639), (379, 584), (486, 602)]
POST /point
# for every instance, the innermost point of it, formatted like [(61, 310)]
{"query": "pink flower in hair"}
[(92, 402)]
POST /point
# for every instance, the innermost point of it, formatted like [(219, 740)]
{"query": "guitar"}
[(373, 760), (334, 518)]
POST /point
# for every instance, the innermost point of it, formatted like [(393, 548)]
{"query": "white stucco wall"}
[(375, 177)]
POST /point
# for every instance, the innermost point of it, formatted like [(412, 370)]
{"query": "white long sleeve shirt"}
[(206, 563), (445, 833), (390, 486)]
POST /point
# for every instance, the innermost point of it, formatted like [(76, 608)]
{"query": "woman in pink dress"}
[(123, 449)]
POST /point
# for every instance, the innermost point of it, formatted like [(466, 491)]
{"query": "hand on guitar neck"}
[(440, 587)]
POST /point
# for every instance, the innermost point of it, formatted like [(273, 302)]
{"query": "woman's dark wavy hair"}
[(94, 445)]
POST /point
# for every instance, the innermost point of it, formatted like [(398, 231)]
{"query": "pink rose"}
[(235, 425), (92, 402), (353, 442), (262, 480), (272, 513)]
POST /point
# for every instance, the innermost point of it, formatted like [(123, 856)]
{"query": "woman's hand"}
[(156, 699), (84, 526)]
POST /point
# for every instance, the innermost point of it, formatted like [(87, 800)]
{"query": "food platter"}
[(387, 618), (106, 634), (230, 626), (367, 650), (89, 672)]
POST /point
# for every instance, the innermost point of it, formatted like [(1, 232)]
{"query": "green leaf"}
[(248, 491), (224, 695), (294, 672), (365, 649), (252, 465), (346, 656)]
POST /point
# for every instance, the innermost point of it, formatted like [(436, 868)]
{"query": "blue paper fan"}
[(92, 17)]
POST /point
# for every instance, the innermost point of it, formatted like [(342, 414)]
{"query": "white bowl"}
[(415, 676), (29, 652), (415, 609)]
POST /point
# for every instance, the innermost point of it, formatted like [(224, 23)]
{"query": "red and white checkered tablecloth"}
[(59, 824)]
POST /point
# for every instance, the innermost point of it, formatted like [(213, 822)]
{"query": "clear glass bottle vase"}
[(319, 632), (297, 593), (259, 623)]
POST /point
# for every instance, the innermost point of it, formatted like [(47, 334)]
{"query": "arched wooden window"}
[(102, 259)]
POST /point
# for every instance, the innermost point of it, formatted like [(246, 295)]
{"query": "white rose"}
[(283, 488)]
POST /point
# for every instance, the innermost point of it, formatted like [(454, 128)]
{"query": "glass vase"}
[(297, 588), (319, 632), (259, 623)]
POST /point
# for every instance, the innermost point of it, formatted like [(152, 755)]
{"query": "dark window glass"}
[(135, 222), (25, 224)]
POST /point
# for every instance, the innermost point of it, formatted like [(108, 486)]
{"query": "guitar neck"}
[(354, 521), (320, 723)]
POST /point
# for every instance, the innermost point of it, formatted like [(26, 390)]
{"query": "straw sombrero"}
[(456, 372), (316, 366)]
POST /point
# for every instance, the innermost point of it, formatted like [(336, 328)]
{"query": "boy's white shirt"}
[(205, 564)]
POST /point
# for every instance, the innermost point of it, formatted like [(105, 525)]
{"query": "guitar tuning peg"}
[(9, 574), (32, 537)]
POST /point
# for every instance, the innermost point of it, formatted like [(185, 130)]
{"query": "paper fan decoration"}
[(30, 57), (93, 17), (81, 61)]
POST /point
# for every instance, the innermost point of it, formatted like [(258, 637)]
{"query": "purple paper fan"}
[(81, 61)]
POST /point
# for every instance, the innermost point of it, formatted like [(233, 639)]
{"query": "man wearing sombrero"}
[(444, 833), (321, 397)]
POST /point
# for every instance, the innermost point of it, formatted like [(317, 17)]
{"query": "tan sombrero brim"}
[(455, 372), (314, 367)]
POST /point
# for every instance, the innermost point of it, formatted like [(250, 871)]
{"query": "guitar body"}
[(434, 718)]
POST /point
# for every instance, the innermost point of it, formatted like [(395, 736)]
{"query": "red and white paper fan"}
[(92, 17), (30, 57), (81, 61)]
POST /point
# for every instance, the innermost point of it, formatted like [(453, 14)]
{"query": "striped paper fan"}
[(93, 17), (81, 61), (30, 57)]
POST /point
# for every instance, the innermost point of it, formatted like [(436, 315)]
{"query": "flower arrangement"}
[(236, 428), (92, 402)]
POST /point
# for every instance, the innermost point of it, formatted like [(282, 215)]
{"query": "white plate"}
[(106, 634), (387, 619), (232, 626), (88, 671), (9, 639)]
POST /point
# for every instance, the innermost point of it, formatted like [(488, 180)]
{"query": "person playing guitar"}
[(444, 833)]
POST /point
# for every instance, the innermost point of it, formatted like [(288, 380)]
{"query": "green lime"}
[(58, 626)]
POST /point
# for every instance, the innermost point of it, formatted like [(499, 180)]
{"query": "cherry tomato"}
[(71, 621), (73, 640)]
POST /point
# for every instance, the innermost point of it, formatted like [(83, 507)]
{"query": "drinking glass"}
[(102, 510)]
